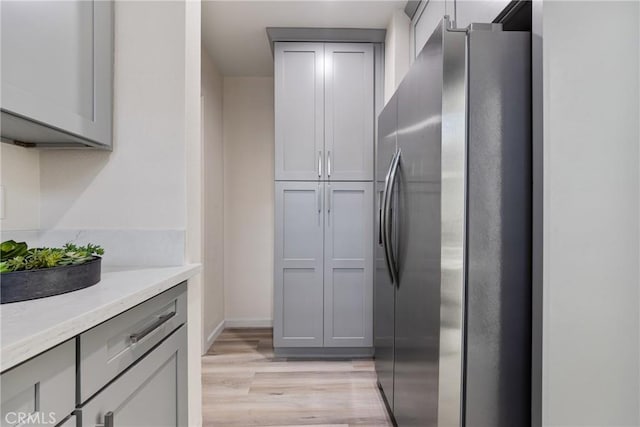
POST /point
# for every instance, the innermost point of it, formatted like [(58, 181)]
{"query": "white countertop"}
[(31, 327)]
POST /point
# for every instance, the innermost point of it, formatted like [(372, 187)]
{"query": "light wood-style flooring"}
[(245, 385)]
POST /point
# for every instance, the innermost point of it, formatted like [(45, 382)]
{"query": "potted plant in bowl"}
[(41, 272)]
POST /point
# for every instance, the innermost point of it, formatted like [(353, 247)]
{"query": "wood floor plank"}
[(244, 385)]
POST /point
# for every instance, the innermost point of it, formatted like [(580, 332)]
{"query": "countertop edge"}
[(18, 352)]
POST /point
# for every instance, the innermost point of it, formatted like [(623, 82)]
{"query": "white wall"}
[(248, 126), (20, 177), (591, 372), (141, 184), (397, 52), (188, 20), (213, 281)]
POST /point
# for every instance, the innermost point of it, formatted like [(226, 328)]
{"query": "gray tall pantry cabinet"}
[(324, 159)]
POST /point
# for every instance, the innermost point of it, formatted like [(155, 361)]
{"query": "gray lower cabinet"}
[(57, 72), (40, 391), (152, 393), (108, 349), (348, 265), (323, 264), (299, 226)]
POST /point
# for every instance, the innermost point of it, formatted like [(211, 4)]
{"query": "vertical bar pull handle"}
[(328, 199), (108, 420), (319, 164), (319, 198), (329, 163)]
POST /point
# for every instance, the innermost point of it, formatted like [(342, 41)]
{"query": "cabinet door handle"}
[(134, 338), (329, 164), (319, 198), (108, 420), (319, 164)]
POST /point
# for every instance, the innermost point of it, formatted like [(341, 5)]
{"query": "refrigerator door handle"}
[(387, 230), (384, 219), (380, 199)]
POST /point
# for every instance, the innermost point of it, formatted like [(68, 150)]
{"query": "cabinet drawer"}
[(152, 393), (42, 389), (111, 347)]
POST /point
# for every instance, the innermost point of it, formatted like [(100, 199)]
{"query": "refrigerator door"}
[(384, 291), (418, 190)]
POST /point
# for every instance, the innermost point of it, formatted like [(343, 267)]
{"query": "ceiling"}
[(234, 32)]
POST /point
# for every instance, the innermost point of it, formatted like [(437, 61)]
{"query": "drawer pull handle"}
[(152, 327), (108, 420)]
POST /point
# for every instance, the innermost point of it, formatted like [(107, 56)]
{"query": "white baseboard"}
[(248, 323), (212, 336)]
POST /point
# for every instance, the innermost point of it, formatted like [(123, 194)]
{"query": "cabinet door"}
[(349, 111), (152, 393), (57, 70), (299, 115), (298, 264), (348, 277), (41, 389)]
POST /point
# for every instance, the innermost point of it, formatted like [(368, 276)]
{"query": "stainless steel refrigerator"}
[(453, 272)]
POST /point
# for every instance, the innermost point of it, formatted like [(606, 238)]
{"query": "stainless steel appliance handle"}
[(319, 163), (383, 221), (108, 420), (380, 198), (393, 173), (134, 338), (329, 163), (319, 198)]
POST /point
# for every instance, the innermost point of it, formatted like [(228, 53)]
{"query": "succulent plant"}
[(17, 257)]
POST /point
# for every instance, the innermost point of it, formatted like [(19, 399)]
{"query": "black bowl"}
[(31, 284)]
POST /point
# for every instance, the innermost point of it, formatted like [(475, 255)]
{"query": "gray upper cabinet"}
[(349, 114), (298, 310), (470, 11), (464, 12), (348, 265), (57, 73), (299, 114), (324, 111), (427, 17)]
